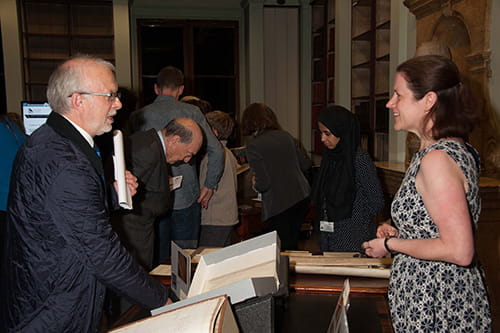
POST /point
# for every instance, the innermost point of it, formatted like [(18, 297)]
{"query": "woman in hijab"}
[(347, 191)]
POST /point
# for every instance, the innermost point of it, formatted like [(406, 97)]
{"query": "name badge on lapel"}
[(326, 226)]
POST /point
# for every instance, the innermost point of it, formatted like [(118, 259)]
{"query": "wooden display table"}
[(328, 284), (312, 301)]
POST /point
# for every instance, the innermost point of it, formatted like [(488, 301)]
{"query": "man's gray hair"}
[(70, 78)]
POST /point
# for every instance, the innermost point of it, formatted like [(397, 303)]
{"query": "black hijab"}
[(335, 189)]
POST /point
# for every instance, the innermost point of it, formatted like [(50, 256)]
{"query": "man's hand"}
[(131, 182), (205, 195)]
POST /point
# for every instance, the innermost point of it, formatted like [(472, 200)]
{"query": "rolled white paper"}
[(124, 197), (345, 271)]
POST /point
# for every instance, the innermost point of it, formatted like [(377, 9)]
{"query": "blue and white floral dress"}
[(436, 296)]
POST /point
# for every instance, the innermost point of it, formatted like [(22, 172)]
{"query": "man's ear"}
[(430, 100), (157, 89), (76, 101), (180, 90)]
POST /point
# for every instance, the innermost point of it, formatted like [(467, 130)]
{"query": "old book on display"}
[(208, 315), (243, 270), (249, 273)]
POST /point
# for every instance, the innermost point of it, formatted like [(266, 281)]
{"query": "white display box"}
[(237, 292), (243, 270)]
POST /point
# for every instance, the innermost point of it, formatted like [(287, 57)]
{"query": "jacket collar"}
[(62, 126), (162, 98)]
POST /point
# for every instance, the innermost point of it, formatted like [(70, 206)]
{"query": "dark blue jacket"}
[(61, 252)]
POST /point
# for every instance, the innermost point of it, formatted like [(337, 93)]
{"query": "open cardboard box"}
[(243, 270), (251, 273)]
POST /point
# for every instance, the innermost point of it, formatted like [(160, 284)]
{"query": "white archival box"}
[(242, 270), (237, 292)]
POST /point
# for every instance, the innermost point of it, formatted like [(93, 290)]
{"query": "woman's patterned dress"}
[(436, 296)]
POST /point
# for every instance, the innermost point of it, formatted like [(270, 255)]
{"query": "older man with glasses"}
[(61, 252)]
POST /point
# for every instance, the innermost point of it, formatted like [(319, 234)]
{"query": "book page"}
[(259, 257), (197, 317), (261, 270), (162, 270), (226, 322)]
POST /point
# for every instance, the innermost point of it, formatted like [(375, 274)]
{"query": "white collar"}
[(86, 135), (162, 139)]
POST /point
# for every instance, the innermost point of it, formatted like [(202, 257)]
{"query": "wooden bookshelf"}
[(370, 47), (323, 63)]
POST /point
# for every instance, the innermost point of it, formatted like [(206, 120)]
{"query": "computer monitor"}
[(34, 114)]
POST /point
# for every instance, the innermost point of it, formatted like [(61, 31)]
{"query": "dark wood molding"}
[(479, 62), (422, 8)]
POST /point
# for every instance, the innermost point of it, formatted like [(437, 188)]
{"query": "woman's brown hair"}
[(454, 113), (258, 117), (222, 122)]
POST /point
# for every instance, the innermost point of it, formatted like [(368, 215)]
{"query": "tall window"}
[(53, 30), (206, 51)]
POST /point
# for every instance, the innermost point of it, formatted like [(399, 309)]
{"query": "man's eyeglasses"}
[(111, 96)]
